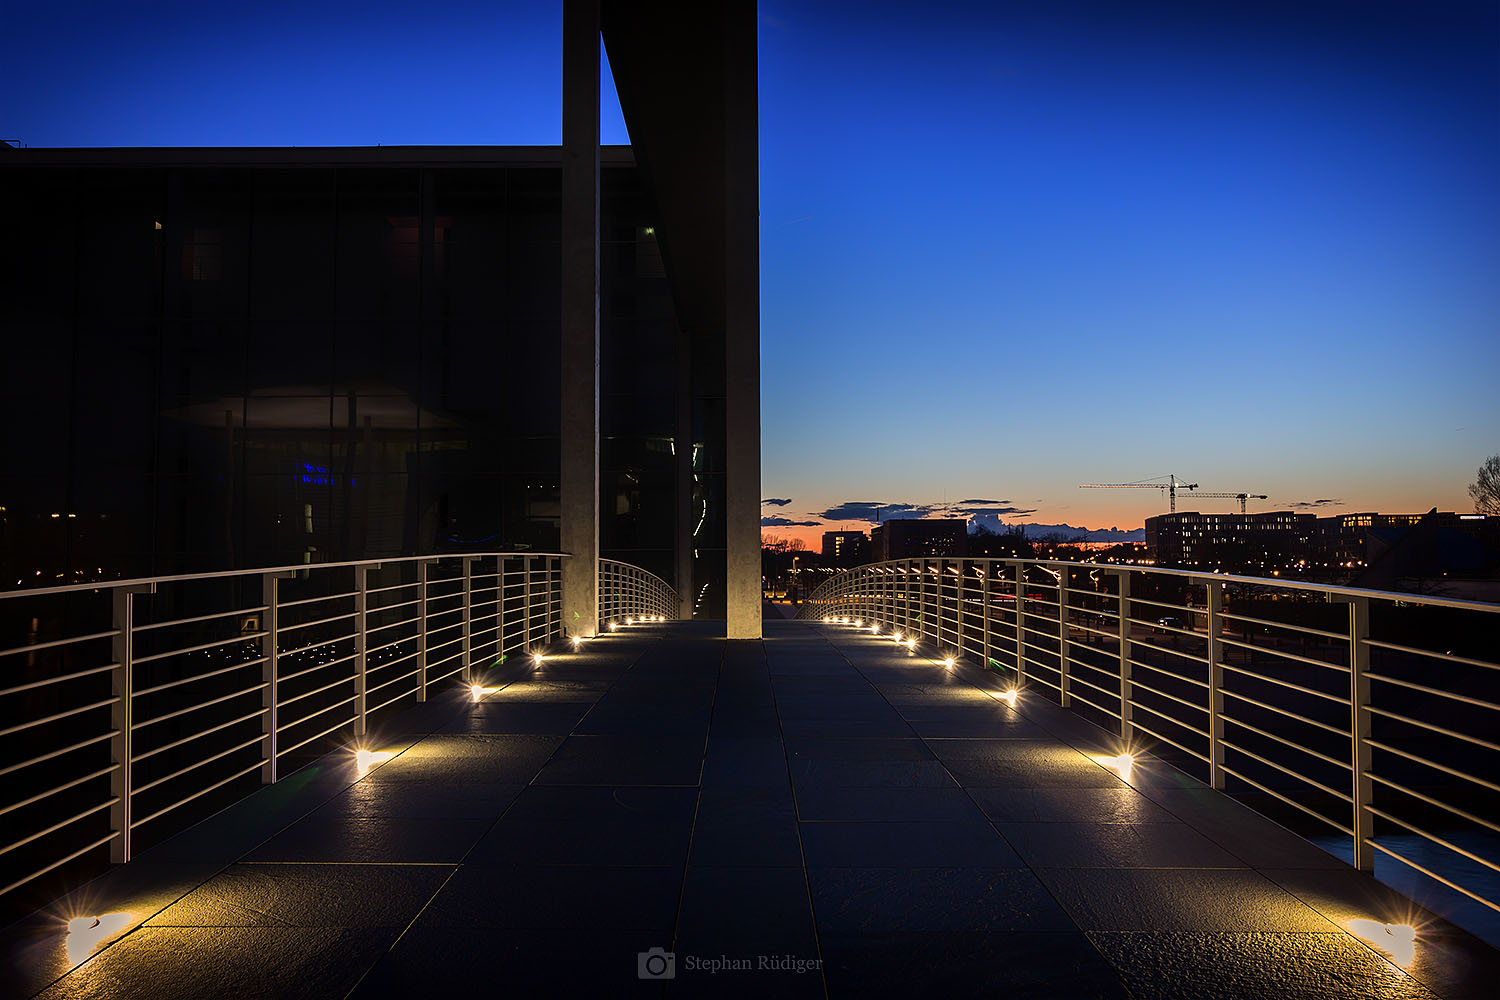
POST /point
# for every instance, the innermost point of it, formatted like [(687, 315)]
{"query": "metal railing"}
[(629, 592), (1368, 713), (129, 710)]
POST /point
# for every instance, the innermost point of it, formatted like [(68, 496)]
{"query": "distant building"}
[(912, 539), (846, 548), (1230, 541)]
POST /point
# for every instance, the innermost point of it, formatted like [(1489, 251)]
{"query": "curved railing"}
[(129, 710), (1368, 714), (629, 592)]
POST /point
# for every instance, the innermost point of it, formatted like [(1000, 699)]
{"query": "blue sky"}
[(1003, 253)]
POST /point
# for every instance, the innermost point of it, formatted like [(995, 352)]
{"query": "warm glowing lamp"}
[(1397, 940)]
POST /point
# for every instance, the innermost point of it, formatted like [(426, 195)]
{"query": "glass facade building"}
[(221, 359)]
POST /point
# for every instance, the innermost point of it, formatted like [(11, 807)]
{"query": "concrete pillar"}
[(684, 457), (742, 323), (579, 481)]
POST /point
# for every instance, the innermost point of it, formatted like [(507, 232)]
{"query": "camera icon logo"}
[(658, 963)]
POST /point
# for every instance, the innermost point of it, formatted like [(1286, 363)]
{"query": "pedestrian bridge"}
[(657, 811)]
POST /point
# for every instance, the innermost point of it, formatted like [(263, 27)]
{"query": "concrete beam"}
[(579, 481)]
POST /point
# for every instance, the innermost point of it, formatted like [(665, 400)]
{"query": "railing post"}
[(525, 602), (1359, 731), (984, 612), (270, 700), (361, 608), (1215, 599), (1064, 698), (121, 718), (1020, 568), (1127, 693), (468, 619), (422, 629)]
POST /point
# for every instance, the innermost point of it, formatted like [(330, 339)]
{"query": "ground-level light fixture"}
[(1011, 696), (364, 760), (948, 662), (85, 933), (1397, 940)]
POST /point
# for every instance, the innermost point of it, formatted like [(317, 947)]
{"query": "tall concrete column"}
[(742, 322), (580, 317)]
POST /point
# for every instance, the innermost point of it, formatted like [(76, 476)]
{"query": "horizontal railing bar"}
[(340, 725), (1343, 764), (59, 715), (316, 621), (1075, 696), (393, 699), (1341, 828), (1135, 683), (1174, 720), (283, 678), (248, 637), (152, 626), (1341, 668), (1462, 814), (1453, 696), (198, 735), (58, 753), (62, 861), (1190, 657), (393, 607), (1169, 740), (283, 605), (393, 680), (196, 795), (194, 708), (258, 738), (394, 586), (59, 825), (1341, 733), (91, 671), (39, 796), (1432, 874), (381, 628), (1448, 657), (198, 677), (1158, 668), (308, 694), (1434, 728), (1314, 692), (317, 645), (1418, 759), (1303, 629), (54, 643)]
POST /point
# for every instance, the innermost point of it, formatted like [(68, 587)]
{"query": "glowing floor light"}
[(85, 933), (911, 644), (896, 636), (576, 641), (366, 759), (1120, 763), (875, 629), (859, 623), (1397, 940), (1011, 696), (948, 662)]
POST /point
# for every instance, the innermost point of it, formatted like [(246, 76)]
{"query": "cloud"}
[(876, 511), (782, 522), (776, 501), (1311, 504)]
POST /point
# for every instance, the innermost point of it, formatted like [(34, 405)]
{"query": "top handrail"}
[(293, 568), (1197, 575)]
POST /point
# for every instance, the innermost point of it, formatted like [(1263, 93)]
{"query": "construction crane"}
[(1243, 498), (1171, 486)]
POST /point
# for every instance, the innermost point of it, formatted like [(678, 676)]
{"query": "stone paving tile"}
[(1069, 805), (1169, 899), (1254, 966), (919, 844), (355, 840), (307, 895), (480, 962), (1115, 845), (1030, 965), (544, 861), (642, 759), (936, 900), (372, 800), (549, 897), (891, 804), (233, 963)]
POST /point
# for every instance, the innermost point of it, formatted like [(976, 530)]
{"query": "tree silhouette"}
[(1485, 489)]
